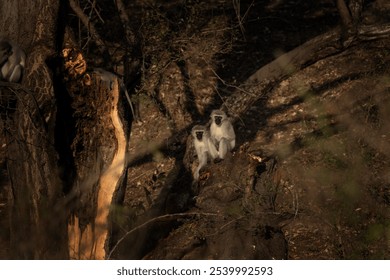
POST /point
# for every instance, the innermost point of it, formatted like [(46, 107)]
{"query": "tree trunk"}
[(66, 148), (37, 228), (99, 150)]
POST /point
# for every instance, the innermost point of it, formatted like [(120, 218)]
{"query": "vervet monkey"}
[(12, 61), (222, 132), (204, 147)]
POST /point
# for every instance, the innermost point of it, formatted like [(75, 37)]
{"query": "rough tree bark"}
[(99, 155), (62, 190), (99, 150), (37, 228)]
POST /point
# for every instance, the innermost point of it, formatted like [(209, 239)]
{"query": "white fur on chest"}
[(201, 147), (219, 132)]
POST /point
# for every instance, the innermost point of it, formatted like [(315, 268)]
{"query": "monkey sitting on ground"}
[(204, 147), (222, 132), (12, 62)]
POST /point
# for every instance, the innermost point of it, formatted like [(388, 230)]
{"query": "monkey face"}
[(218, 116), (199, 135), (198, 132), (218, 120)]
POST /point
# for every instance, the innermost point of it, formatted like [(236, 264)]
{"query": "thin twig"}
[(240, 20), (157, 219), (229, 85), (247, 10), (93, 7), (89, 25), (237, 9), (225, 225)]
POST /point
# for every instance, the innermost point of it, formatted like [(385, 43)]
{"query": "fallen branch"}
[(299, 58)]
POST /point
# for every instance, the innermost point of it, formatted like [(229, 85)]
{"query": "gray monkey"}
[(204, 147), (222, 132)]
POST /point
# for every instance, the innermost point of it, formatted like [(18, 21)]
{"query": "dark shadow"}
[(271, 30), (188, 92)]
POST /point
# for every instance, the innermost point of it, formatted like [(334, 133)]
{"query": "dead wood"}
[(99, 154)]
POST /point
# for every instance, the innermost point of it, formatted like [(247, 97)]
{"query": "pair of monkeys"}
[(216, 143), (12, 61)]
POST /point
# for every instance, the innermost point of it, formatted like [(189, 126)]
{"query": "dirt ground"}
[(327, 197), (309, 177)]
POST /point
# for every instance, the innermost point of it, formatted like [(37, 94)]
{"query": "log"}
[(318, 48)]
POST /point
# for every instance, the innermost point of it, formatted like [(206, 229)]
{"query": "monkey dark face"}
[(218, 120), (199, 135)]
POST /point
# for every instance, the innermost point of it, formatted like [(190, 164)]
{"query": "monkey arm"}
[(212, 149), (223, 147), (202, 163), (229, 131)]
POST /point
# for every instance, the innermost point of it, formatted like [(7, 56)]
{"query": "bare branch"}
[(355, 8), (93, 8), (346, 18), (89, 25), (130, 37)]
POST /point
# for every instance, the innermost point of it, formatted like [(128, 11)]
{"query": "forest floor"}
[(309, 177), (326, 127)]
